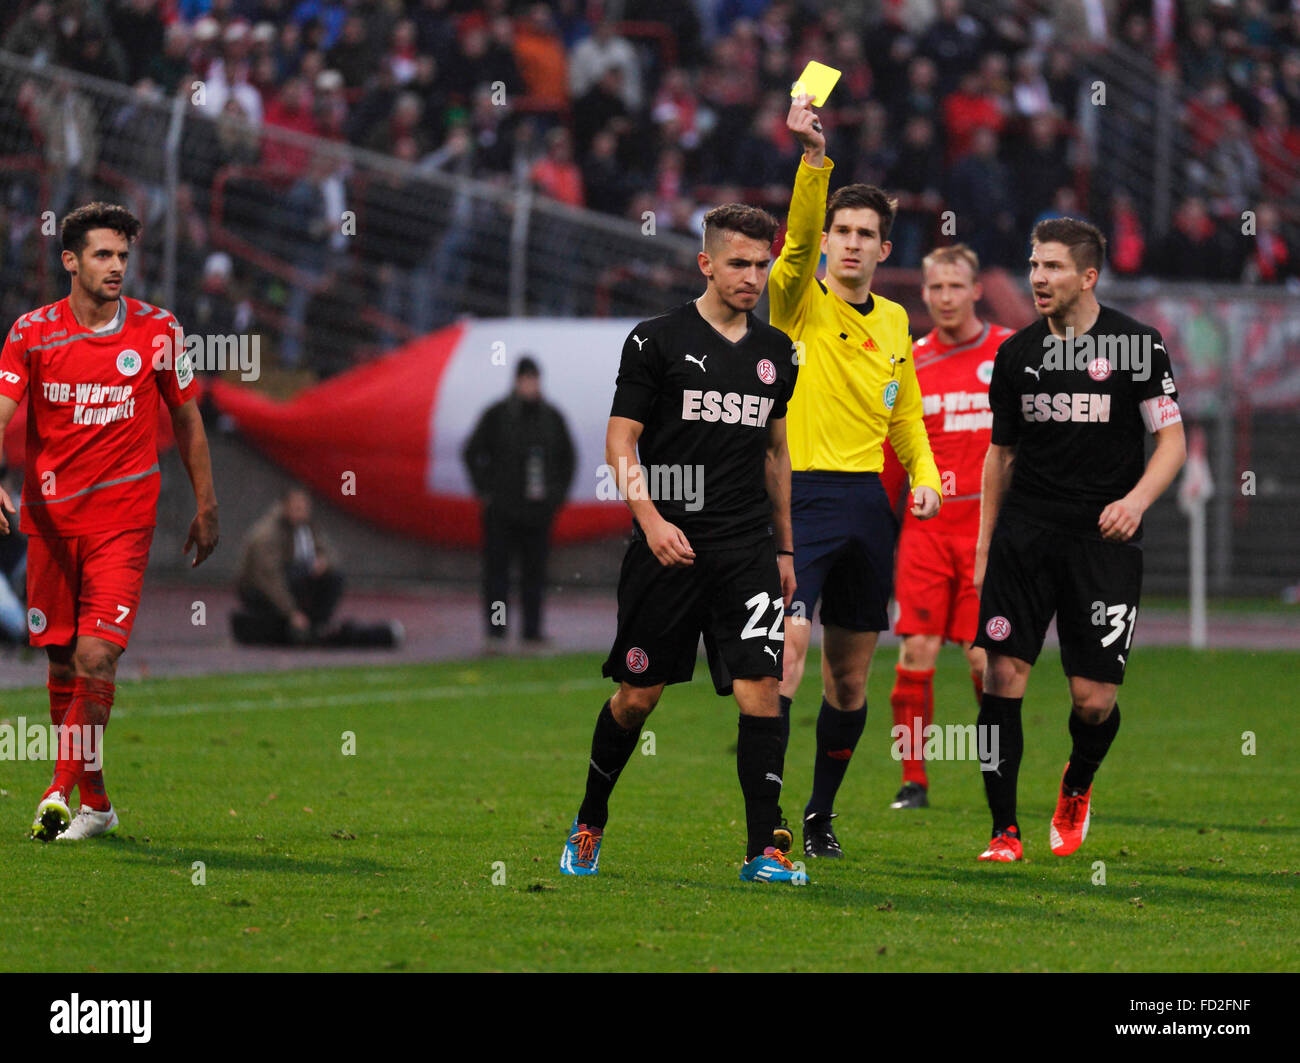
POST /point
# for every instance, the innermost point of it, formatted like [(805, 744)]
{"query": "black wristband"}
[(788, 553)]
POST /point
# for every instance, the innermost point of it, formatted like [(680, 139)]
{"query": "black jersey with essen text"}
[(706, 404), (1073, 413)]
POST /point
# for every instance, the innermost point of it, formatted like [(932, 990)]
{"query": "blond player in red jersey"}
[(93, 367), (935, 584)]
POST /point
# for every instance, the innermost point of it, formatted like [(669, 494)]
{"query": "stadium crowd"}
[(671, 106)]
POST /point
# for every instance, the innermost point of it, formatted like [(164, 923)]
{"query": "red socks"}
[(61, 691), (82, 746), (913, 703)]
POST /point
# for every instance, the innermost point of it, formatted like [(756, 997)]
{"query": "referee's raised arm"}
[(795, 269)]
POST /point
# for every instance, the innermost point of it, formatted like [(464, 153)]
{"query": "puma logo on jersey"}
[(698, 361), (1081, 406), (768, 649), (1034, 371), (731, 408), (639, 341)]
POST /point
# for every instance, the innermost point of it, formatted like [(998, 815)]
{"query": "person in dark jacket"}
[(288, 581), (520, 459)]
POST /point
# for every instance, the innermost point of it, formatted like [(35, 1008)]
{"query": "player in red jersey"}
[(935, 585), (93, 367)]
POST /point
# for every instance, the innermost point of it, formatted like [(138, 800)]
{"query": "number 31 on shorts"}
[(1118, 622), (754, 628)]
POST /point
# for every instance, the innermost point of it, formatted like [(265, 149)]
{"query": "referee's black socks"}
[(760, 762), (611, 746), (1091, 741), (1000, 779), (837, 737)]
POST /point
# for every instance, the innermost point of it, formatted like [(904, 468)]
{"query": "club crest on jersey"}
[(36, 622), (766, 371), (1099, 369), (129, 362), (891, 394), (984, 374), (184, 369), (637, 661), (998, 628)]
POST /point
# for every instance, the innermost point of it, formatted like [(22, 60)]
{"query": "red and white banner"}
[(398, 424)]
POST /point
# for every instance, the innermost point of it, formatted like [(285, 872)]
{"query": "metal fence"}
[(1236, 354), (331, 254)]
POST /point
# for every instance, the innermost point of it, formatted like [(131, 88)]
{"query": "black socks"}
[(837, 737), (760, 760), (1091, 741), (1000, 779), (611, 746)]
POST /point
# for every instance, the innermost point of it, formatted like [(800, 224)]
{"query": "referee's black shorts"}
[(844, 536), (731, 595), (1092, 585)]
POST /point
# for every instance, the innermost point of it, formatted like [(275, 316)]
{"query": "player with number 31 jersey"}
[(1066, 482)]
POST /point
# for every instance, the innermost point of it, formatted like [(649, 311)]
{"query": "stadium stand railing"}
[(332, 254)]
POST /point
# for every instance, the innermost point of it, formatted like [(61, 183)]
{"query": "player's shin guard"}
[(81, 745), (912, 700), (611, 746), (837, 737), (785, 723), (61, 691), (760, 762), (1091, 741), (1009, 743)]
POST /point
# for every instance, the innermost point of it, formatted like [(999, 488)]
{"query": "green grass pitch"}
[(435, 846)]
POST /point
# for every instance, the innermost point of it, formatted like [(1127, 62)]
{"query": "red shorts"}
[(935, 586), (85, 585)]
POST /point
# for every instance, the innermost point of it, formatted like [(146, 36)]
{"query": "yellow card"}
[(816, 81)]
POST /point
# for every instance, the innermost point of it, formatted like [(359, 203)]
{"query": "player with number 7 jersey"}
[(93, 368)]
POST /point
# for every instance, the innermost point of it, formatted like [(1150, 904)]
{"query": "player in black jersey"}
[(1064, 490), (701, 394)]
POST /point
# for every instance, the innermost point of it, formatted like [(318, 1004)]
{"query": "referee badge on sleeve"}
[(891, 393)]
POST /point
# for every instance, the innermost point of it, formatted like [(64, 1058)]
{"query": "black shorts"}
[(844, 536), (732, 596), (1092, 585)]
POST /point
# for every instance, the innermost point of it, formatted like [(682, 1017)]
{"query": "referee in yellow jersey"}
[(857, 384)]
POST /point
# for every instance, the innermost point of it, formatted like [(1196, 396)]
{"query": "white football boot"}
[(90, 824)]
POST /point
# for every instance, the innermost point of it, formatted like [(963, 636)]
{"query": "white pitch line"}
[(358, 698)]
